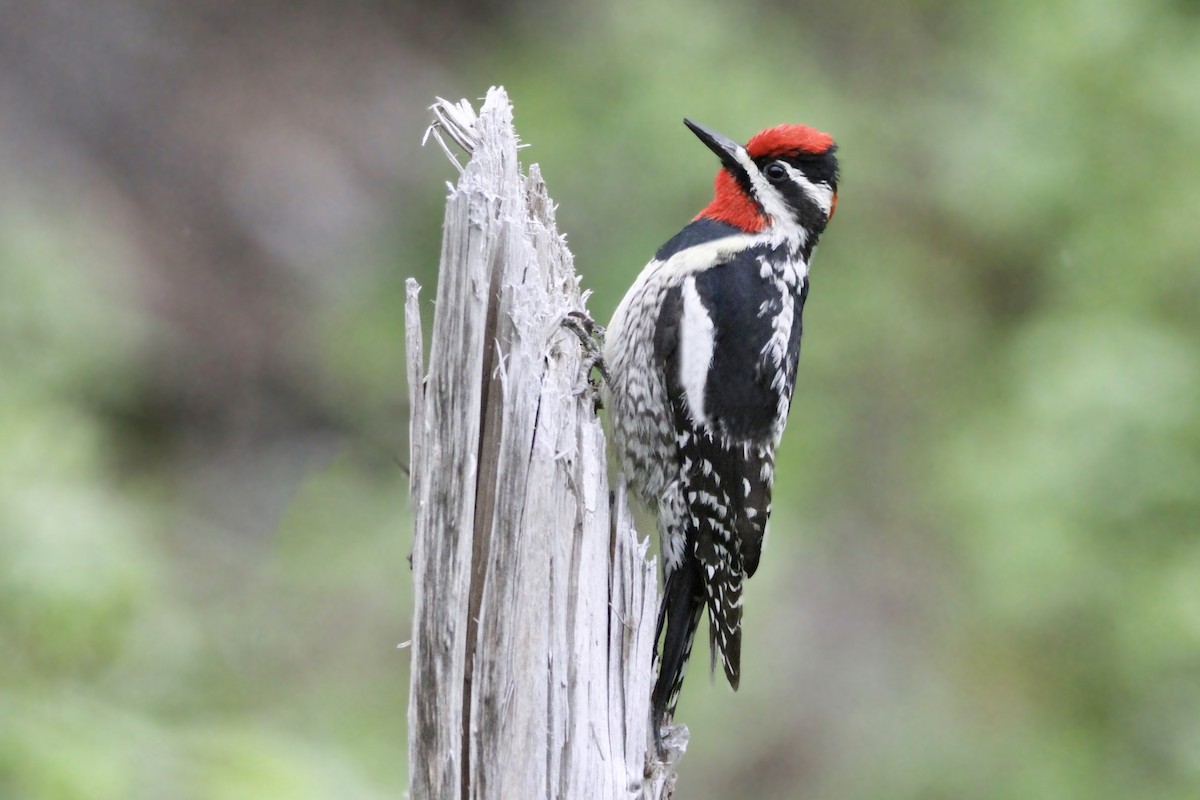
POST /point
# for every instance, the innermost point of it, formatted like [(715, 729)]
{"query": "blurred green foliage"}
[(135, 664), (983, 573)]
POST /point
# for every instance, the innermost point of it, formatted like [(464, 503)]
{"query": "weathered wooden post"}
[(535, 602)]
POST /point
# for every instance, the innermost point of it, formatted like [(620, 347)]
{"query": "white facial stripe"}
[(819, 193), (770, 200), (696, 343)]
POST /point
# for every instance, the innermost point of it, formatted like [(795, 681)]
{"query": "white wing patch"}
[(696, 343)]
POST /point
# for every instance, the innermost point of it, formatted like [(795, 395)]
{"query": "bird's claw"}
[(591, 337), (670, 743)]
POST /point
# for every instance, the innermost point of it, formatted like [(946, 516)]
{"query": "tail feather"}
[(727, 643), (683, 603), (724, 599)]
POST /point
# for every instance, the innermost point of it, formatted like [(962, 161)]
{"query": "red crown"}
[(786, 140)]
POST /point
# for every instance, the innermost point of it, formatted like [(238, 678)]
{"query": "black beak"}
[(725, 148)]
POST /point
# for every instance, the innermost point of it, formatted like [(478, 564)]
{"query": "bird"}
[(700, 365)]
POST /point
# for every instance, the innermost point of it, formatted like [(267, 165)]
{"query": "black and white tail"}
[(682, 605)]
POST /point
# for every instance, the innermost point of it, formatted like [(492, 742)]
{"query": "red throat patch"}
[(785, 140), (730, 204)]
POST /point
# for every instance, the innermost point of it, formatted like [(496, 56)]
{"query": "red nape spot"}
[(730, 204), (784, 140), (833, 206)]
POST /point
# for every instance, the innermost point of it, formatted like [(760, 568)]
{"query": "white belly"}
[(636, 395)]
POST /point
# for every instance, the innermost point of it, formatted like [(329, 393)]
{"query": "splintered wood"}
[(535, 601)]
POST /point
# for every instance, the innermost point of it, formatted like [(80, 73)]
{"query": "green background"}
[(983, 573)]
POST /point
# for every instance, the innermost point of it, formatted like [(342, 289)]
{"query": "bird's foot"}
[(670, 743), (591, 337)]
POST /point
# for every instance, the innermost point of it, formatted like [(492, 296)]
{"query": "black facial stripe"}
[(818, 169), (806, 212), (821, 168)]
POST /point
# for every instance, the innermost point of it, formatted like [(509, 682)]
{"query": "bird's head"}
[(785, 177)]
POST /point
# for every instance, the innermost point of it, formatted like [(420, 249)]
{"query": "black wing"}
[(727, 456)]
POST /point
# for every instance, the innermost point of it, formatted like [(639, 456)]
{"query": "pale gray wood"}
[(414, 347), (536, 603)]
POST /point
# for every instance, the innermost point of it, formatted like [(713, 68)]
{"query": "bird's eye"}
[(776, 172)]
